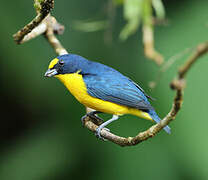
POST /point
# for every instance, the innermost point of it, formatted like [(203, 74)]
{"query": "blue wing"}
[(118, 89)]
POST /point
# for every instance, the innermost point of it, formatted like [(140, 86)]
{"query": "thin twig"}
[(148, 33), (149, 49), (200, 50), (167, 65), (45, 8), (53, 41), (42, 23)]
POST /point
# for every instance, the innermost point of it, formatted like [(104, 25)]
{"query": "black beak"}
[(51, 72)]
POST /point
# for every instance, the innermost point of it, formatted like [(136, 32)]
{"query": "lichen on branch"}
[(43, 8)]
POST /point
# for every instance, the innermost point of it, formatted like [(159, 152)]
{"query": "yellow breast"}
[(75, 84)]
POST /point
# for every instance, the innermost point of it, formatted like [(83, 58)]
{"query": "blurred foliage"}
[(134, 12), (159, 9), (90, 26), (137, 11), (41, 137)]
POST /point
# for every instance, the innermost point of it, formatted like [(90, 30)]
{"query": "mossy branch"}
[(43, 8)]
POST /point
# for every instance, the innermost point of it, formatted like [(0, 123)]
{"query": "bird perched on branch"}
[(102, 88)]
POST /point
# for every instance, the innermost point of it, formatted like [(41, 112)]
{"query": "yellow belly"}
[(75, 84)]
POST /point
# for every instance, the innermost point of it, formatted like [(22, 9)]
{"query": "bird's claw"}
[(97, 120), (98, 135), (83, 120)]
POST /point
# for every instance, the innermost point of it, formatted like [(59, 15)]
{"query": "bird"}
[(102, 88)]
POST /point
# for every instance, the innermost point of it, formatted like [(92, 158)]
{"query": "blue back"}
[(106, 83)]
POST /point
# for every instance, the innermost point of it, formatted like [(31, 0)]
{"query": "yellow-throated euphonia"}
[(102, 88)]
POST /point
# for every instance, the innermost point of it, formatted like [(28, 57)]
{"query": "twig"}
[(45, 8), (40, 29), (148, 33), (53, 41), (167, 65), (177, 84), (42, 23), (149, 50), (200, 50)]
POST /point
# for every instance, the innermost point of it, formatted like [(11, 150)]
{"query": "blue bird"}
[(102, 88)]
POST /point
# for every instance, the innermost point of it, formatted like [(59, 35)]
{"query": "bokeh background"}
[(41, 137)]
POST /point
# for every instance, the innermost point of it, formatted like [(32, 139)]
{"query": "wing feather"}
[(119, 90)]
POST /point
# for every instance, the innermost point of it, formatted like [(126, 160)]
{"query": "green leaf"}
[(132, 13), (147, 13), (159, 8)]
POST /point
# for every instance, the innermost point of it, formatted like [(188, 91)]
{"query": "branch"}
[(53, 41), (178, 85), (199, 51), (43, 23), (45, 6), (48, 25)]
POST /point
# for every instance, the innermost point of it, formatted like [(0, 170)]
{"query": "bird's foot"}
[(98, 131), (102, 126), (97, 120), (83, 119)]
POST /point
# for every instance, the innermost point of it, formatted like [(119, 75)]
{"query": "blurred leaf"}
[(90, 26), (159, 8), (147, 12), (132, 13), (118, 2)]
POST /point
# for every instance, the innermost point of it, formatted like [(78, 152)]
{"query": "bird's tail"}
[(150, 115), (155, 117)]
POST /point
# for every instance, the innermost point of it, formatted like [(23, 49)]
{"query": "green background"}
[(41, 137)]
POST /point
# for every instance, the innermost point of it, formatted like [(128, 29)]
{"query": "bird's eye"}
[(61, 62)]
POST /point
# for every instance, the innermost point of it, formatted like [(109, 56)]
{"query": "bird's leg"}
[(97, 120), (98, 130)]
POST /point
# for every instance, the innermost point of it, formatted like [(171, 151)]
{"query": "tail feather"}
[(155, 117)]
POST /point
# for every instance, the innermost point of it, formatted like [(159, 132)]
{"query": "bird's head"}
[(65, 64)]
